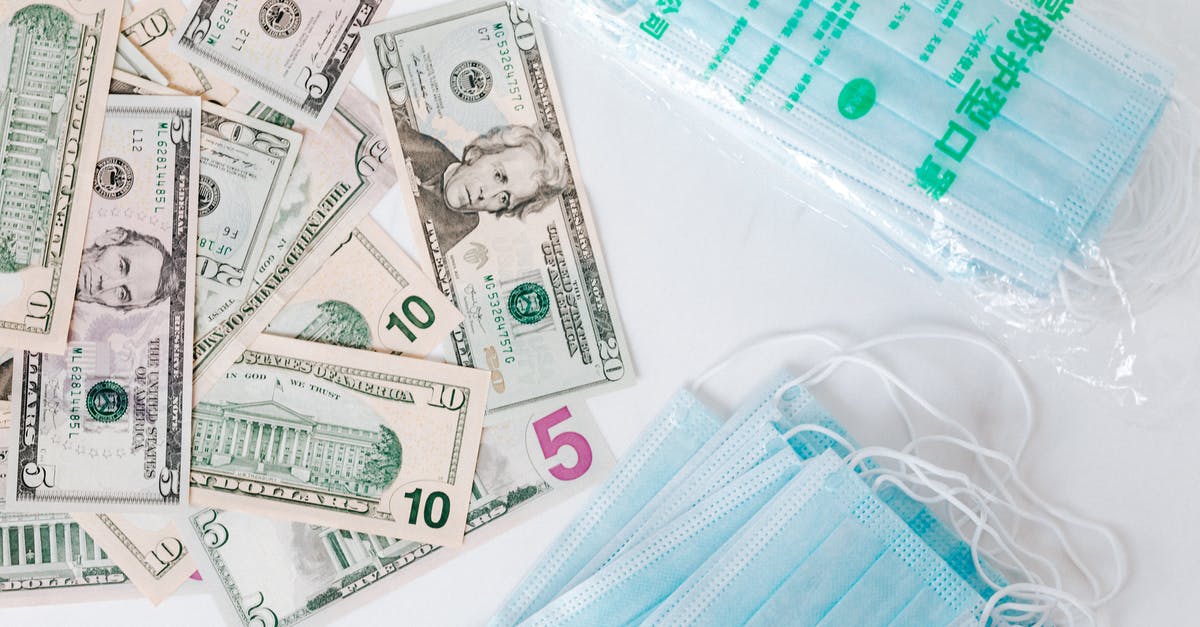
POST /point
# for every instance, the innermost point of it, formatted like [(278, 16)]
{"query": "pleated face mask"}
[(670, 441), (750, 437), (645, 574), (775, 458), (988, 136), (823, 552), (822, 433), (747, 439)]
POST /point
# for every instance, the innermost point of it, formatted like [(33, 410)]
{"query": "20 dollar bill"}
[(492, 183)]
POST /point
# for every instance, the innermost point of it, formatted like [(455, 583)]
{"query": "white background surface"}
[(705, 255)]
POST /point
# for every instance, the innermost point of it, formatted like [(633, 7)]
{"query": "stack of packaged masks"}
[(1034, 158), (776, 517), (987, 139)]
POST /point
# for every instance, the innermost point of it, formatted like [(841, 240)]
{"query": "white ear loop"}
[(1004, 607), (725, 362), (1055, 512), (1061, 600), (1154, 239), (944, 493), (920, 470), (1001, 556), (994, 555), (824, 370), (832, 435), (820, 373)]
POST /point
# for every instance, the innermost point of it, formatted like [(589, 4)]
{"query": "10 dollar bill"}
[(147, 548), (284, 573), (58, 56), (369, 295), (347, 438)]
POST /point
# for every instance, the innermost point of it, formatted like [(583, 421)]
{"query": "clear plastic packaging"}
[(1037, 156)]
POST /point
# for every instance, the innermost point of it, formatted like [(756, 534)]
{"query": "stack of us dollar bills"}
[(217, 361)]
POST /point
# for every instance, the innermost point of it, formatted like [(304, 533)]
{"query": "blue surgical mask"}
[(641, 577), (751, 437), (747, 439), (678, 432), (881, 97), (825, 554), (942, 540), (714, 543)]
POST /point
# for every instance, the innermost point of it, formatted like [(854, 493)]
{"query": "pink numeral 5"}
[(551, 445)]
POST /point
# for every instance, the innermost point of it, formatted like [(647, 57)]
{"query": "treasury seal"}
[(114, 178), (279, 18), (529, 303), (107, 401), (210, 195), (471, 81)]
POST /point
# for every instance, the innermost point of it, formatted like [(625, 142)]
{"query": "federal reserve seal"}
[(279, 18), (471, 81), (529, 303), (107, 401), (210, 195), (114, 178)]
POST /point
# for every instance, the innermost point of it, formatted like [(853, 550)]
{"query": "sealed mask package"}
[(991, 142), (986, 138)]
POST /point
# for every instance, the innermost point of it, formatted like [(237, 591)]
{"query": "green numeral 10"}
[(420, 321), (434, 497)]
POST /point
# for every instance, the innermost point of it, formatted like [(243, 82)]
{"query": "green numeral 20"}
[(434, 497), (421, 322)]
